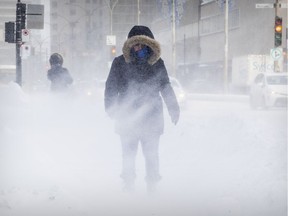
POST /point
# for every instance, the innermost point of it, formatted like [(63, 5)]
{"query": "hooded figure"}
[(58, 75), (135, 87)]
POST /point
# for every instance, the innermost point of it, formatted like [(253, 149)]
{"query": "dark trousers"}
[(150, 146)]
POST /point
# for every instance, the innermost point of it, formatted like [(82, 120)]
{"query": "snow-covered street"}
[(60, 156)]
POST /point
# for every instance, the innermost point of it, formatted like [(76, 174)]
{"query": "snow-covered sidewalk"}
[(60, 156)]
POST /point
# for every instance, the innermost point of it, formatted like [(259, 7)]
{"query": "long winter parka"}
[(135, 88)]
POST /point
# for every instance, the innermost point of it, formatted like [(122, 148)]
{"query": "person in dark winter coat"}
[(135, 86), (59, 76)]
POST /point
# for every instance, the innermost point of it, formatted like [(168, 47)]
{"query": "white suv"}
[(269, 89)]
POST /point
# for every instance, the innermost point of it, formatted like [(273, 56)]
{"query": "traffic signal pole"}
[(18, 43), (226, 26), (276, 63)]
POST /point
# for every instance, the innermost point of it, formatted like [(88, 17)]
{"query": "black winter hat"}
[(140, 30), (55, 59)]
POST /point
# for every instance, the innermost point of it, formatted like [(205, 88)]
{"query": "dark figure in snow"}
[(59, 76), (133, 91)]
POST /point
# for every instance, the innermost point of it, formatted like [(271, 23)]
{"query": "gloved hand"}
[(175, 117)]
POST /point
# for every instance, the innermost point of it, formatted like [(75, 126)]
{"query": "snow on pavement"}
[(60, 156)]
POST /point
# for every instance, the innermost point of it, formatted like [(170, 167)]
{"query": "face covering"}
[(142, 53)]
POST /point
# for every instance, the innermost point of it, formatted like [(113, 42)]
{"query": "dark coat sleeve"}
[(168, 93), (111, 89), (51, 75), (66, 75)]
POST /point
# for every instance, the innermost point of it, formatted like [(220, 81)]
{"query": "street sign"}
[(264, 5), (111, 40), (281, 5), (35, 16), (276, 53), (25, 51), (25, 35)]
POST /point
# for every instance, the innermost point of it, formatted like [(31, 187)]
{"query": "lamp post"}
[(111, 6), (138, 12), (18, 43), (173, 39), (225, 75)]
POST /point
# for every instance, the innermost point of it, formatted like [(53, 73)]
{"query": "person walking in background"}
[(133, 91), (59, 76)]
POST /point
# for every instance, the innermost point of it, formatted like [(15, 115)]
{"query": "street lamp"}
[(111, 7), (138, 12), (173, 38)]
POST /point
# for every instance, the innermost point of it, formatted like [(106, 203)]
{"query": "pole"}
[(276, 63), (138, 12), (173, 39), (184, 54), (198, 32), (286, 58), (111, 7), (18, 44), (225, 80)]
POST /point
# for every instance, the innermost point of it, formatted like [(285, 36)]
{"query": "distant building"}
[(79, 31), (200, 35)]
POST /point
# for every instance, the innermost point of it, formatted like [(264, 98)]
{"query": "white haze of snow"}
[(59, 155)]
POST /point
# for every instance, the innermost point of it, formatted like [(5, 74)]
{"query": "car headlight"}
[(278, 93), (272, 92), (181, 95)]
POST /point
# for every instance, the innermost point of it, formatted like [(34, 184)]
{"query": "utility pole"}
[(173, 39), (13, 31), (138, 12), (19, 20), (225, 76), (276, 63), (111, 7)]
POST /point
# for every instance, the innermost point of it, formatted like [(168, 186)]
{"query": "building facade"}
[(200, 36), (191, 34), (79, 30)]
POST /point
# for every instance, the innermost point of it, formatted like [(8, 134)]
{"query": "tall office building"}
[(79, 31)]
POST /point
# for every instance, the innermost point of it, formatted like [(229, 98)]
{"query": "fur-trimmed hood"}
[(141, 35)]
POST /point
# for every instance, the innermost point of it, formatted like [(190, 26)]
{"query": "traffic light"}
[(10, 32), (278, 31), (23, 15), (113, 51)]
